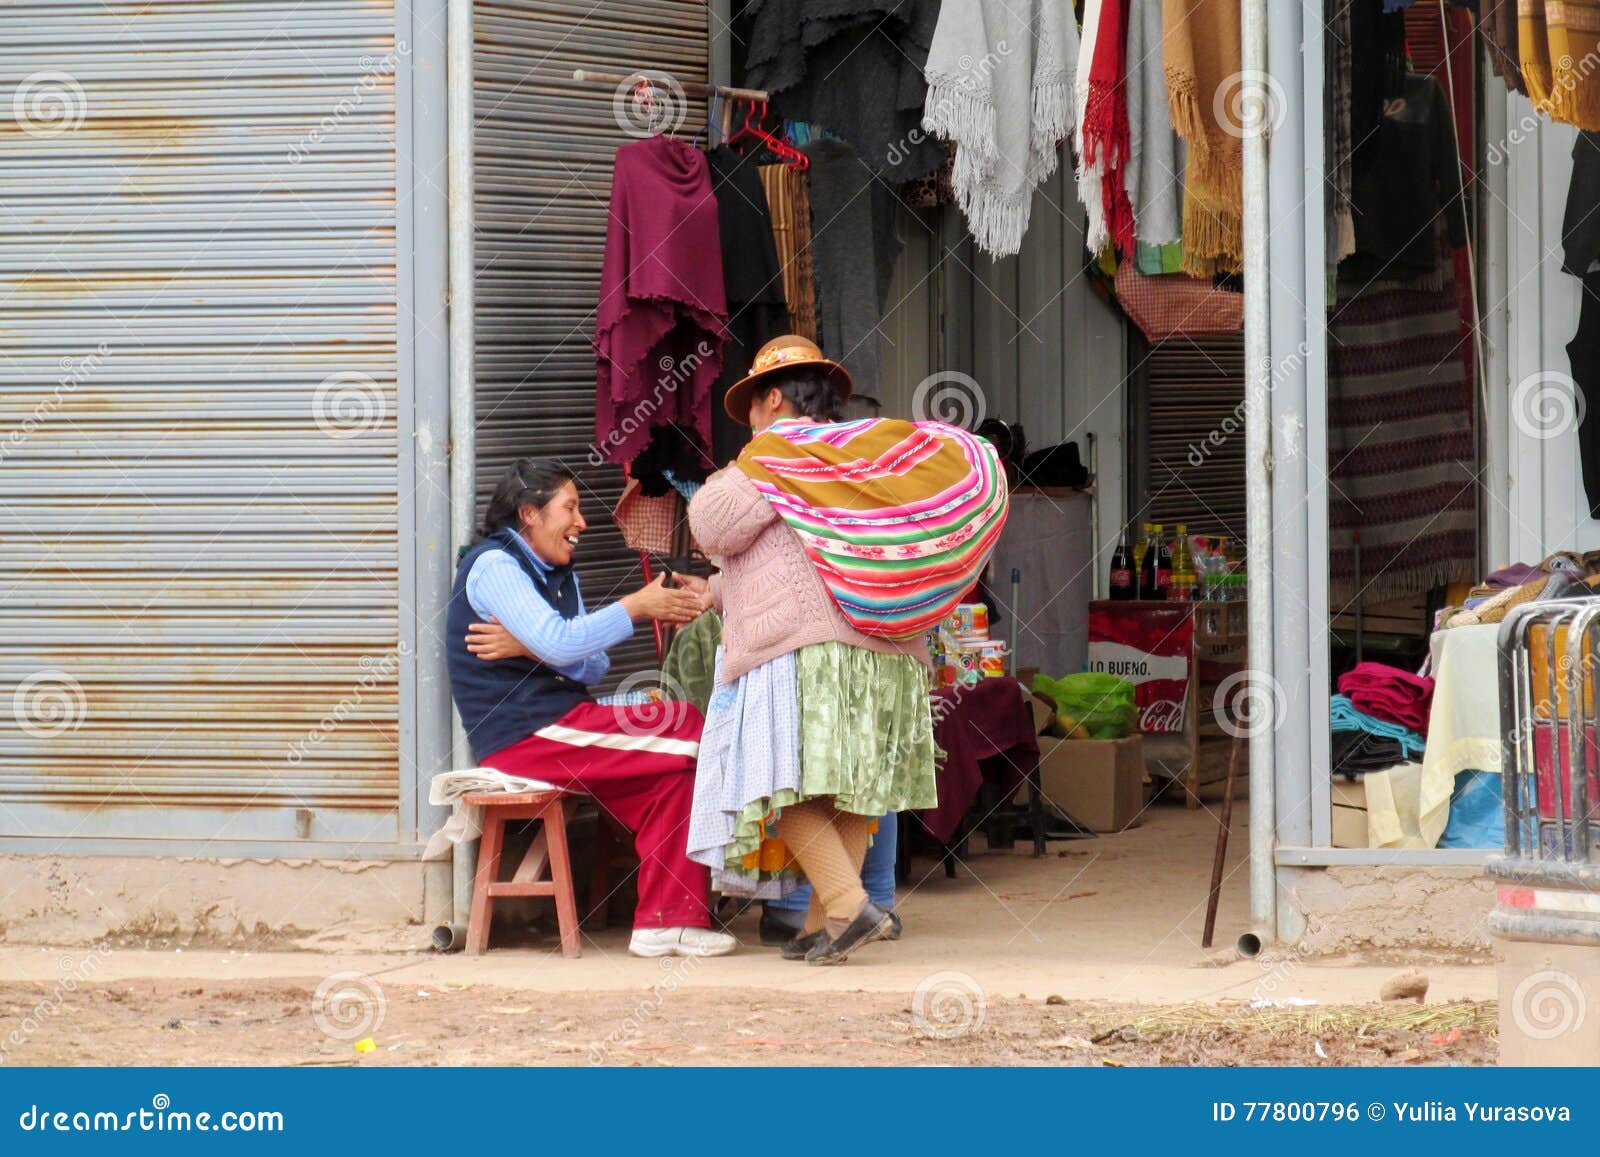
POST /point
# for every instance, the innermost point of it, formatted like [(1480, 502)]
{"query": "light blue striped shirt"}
[(497, 586)]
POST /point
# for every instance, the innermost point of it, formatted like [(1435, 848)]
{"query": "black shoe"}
[(797, 948), (776, 931), (871, 923), (894, 926)]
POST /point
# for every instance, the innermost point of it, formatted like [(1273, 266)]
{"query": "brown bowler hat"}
[(781, 353)]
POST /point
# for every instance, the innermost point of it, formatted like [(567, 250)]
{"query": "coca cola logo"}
[(1164, 715)]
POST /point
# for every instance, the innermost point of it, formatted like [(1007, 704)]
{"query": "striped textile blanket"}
[(899, 518), (1400, 443)]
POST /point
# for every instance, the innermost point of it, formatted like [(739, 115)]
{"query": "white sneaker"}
[(680, 942)]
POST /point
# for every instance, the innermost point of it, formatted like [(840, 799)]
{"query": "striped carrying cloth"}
[(898, 517)]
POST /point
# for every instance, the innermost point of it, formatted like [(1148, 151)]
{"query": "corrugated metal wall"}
[(198, 420), (1184, 390), (545, 148)]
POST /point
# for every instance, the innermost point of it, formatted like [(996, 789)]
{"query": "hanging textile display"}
[(1103, 125), (1000, 85), (853, 247), (1580, 221), (662, 313), (1400, 442), (1498, 20), (752, 283), (1558, 42), (1583, 355), (1339, 143), (853, 67), (1408, 178), (1154, 183), (791, 231), (1201, 48)]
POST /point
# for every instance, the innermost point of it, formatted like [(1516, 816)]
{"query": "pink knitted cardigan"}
[(771, 597)]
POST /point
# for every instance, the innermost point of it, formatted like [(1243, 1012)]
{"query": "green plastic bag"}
[(1090, 705)]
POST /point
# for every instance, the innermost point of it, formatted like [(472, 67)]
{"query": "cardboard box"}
[(1349, 828), (1099, 782)]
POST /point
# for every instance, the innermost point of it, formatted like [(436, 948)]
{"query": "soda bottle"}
[(1150, 586), (1123, 584), (1182, 585), (1163, 566)]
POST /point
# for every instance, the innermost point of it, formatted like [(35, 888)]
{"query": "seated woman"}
[(523, 694)]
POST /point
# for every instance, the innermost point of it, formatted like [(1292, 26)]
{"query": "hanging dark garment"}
[(660, 321), (1377, 67), (752, 280), (1405, 177), (854, 246), (1580, 224), (853, 67), (1583, 352)]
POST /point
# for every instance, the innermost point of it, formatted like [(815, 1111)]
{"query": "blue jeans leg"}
[(877, 874)]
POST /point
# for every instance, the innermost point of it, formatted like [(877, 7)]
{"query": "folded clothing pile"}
[(1389, 694), (1363, 743)]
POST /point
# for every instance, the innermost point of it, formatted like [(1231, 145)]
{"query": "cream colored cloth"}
[(466, 820), (1409, 806)]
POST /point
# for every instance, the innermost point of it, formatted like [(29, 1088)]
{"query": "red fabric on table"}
[(986, 732), (637, 762), (1390, 694)]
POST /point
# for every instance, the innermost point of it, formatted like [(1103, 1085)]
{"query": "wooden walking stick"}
[(1222, 844)]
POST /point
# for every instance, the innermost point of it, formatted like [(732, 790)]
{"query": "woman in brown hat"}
[(811, 719)]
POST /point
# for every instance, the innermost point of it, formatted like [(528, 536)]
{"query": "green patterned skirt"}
[(866, 729)]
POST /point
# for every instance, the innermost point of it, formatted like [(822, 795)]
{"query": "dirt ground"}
[(1089, 956), (176, 1023)]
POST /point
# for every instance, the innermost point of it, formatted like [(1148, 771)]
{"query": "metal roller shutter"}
[(199, 421), (1186, 388), (544, 150)]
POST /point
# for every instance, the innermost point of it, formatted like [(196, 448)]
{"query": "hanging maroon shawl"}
[(662, 315), (1106, 139)]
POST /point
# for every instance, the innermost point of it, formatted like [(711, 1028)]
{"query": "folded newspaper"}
[(466, 820)]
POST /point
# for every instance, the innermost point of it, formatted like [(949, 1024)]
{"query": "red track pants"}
[(638, 764)]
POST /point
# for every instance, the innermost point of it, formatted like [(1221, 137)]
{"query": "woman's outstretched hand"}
[(492, 641), (663, 603), (699, 587)]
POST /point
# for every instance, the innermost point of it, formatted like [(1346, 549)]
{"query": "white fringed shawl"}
[(1091, 177), (1005, 96)]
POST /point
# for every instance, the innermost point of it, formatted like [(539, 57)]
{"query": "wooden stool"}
[(549, 849)]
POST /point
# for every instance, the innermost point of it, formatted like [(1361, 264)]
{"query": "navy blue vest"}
[(504, 701)]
